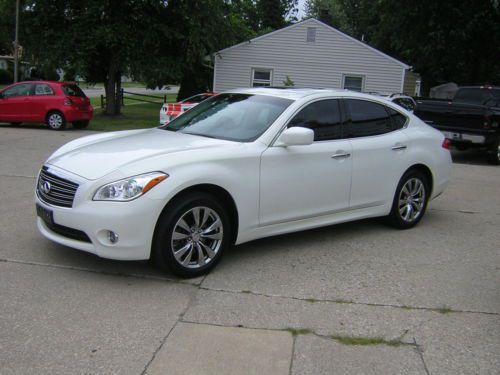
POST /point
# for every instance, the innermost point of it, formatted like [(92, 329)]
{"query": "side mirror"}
[(296, 136)]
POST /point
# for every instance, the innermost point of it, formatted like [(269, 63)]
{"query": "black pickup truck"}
[(471, 119)]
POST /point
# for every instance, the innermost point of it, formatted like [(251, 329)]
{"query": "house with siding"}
[(310, 54)]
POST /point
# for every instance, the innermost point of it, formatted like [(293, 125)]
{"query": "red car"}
[(53, 103), (169, 111)]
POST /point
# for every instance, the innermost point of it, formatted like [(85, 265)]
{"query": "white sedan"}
[(242, 165)]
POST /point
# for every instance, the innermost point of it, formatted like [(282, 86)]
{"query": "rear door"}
[(43, 96), (379, 151)]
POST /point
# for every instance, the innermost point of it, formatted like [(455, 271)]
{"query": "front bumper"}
[(133, 221)]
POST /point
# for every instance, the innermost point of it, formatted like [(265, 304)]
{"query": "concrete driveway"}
[(358, 298)]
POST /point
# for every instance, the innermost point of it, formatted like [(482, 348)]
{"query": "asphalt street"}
[(356, 298)]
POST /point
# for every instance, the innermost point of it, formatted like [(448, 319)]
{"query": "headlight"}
[(129, 188)]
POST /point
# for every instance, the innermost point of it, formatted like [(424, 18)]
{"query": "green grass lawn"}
[(137, 116)]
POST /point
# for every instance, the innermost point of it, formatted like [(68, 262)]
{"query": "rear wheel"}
[(191, 235), (80, 124), (410, 200), (56, 120), (494, 153)]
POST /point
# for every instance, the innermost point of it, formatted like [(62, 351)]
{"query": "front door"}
[(14, 106), (299, 182)]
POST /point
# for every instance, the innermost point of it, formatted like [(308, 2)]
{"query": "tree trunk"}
[(110, 87), (118, 104)]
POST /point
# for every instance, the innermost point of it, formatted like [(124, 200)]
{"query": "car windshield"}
[(73, 90), (234, 117)]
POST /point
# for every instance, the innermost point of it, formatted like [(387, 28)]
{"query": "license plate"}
[(45, 214), (452, 135)]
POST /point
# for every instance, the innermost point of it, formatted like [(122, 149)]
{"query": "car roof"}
[(298, 93), (51, 82)]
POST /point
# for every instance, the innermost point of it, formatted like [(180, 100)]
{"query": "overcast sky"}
[(301, 13)]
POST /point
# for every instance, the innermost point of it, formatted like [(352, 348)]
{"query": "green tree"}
[(275, 14), (443, 40), (7, 25)]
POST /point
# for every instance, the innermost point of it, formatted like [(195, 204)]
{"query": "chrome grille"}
[(55, 190)]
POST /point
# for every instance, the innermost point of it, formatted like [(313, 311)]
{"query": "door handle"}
[(398, 147), (341, 155)]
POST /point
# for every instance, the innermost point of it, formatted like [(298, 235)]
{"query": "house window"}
[(262, 77), (311, 34), (353, 82)]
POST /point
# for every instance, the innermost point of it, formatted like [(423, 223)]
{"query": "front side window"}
[(353, 83), (43, 89), (18, 90), (262, 77), (367, 118), (234, 117), (323, 118)]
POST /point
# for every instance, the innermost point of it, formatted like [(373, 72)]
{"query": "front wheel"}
[(191, 235), (56, 121), (410, 200)]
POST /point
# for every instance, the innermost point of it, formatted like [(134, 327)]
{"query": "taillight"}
[(68, 101), (446, 144)]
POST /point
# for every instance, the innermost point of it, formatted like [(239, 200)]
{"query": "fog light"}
[(112, 236)]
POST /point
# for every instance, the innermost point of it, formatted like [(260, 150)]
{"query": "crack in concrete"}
[(201, 287), (421, 355), (344, 302), (102, 272)]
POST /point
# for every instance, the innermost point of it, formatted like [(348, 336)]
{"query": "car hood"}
[(96, 156)]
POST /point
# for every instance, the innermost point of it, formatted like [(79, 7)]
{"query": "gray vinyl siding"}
[(319, 64)]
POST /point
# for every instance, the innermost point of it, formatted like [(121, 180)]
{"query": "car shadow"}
[(471, 156)]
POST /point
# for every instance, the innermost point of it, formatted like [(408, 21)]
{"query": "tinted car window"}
[(18, 90), (323, 118), (406, 103), (43, 89), (73, 90), (476, 96), (398, 120), (367, 118)]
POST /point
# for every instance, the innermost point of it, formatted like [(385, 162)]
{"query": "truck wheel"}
[(494, 153)]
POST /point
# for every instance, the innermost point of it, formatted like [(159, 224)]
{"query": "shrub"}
[(5, 76)]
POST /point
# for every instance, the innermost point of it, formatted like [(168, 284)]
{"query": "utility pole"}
[(16, 43)]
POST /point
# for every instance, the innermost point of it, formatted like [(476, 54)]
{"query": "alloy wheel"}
[(411, 200), (197, 237)]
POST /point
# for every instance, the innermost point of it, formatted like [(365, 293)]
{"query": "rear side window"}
[(406, 103), (398, 120), (475, 96), (43, 89), (73, 90), (367, 118), (323, 118)]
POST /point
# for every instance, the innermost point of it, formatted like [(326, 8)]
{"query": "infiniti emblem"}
[(46, 187)]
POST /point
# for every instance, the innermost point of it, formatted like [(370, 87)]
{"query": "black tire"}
[(163, 243), (55, 120), (80, 124), (15, 123), (494, 153), (401, 216)]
